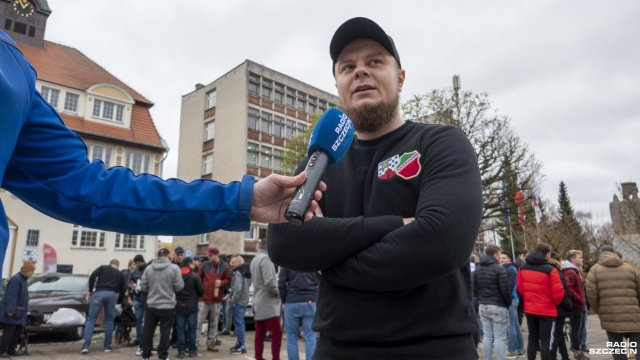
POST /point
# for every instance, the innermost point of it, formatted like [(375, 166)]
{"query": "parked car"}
[(50, 292)]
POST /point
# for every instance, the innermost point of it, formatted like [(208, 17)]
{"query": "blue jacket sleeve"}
[(47, 167)]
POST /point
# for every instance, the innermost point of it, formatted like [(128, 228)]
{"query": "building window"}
[(107, 110), (207, 164), (133, 242), (137, 162), (265, 157), (71, 102), (209, 130), (32, 31), (290, 130), (266, 88), (51, 95), (278, 125), (265, 124), (33, 237), (97, 152), (252, 120), (278, 95), (87, 238), (252, 154), (211, 99), (256, 232), (291, 97), (203, 239), (20, 28), (278, 160), (302, 103), (312, 105), (254, 84), (7, 24), (322, 105)]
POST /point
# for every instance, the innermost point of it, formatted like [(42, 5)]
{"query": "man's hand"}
[(272, 194)]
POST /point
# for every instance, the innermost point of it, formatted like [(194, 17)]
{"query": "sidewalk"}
[(41, 349), (596, 339)]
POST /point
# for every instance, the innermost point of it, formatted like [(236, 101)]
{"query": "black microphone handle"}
[(301, 199)]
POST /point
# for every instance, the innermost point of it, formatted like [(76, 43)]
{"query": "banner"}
[(50, 259)]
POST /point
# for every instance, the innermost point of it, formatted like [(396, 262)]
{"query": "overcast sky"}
[(567, 73)]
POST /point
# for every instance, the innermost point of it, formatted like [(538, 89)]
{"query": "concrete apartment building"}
[(241, 124), (113, 120)]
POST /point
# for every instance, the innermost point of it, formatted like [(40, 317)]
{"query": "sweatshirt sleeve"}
[(441, 237), (282, 284), (49, 170)]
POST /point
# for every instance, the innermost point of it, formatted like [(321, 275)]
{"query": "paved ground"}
[(52, 348)]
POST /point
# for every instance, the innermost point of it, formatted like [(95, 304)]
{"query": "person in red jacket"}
[(539, 284), (215, 277), (575, 284)]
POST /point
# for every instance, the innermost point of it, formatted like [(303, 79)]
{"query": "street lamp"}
[(456, 88)]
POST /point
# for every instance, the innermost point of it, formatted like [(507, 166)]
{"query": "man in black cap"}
[(404, 190), (178, 257)]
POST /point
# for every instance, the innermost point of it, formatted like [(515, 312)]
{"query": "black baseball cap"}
[(163, 252), (360, 28), (179, 250)]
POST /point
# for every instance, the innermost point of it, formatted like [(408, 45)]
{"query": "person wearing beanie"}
[(14, 305), (138, 298)]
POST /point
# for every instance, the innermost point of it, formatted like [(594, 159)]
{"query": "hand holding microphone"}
[(330, 140)]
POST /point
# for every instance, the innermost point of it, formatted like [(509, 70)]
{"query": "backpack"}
[(565, 307)]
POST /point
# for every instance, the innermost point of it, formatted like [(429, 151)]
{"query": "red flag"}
[(50, 259)]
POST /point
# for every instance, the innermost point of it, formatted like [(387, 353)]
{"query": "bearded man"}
[(401, 215)]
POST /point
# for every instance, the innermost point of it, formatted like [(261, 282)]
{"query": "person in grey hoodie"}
[(161, 280), (239, 299), (266, 302)]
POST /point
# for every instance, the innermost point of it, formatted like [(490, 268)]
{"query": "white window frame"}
[(99, 152), (203, 239), (51, 95), (207, 164), (71, 102), (209, 130), (107, 110), (211, 100), (137, 240), (79, 232), (132, 162)]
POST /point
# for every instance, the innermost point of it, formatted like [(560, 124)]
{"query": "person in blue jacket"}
[(14, 304), (45, 164)]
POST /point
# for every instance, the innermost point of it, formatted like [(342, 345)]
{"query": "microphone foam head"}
[(332, 134)]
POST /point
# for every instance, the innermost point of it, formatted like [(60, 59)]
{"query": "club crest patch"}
[(406, 166)]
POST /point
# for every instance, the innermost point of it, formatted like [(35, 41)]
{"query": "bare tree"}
[(498, 147)]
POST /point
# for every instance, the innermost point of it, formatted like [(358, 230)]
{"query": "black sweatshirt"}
[(383, 281), (106, 277)]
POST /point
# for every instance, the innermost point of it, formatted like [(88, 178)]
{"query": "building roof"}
[(66, 66)]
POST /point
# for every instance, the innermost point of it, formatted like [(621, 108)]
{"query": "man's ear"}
[(401, 76)]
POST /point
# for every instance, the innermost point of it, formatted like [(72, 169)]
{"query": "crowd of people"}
[(554, 291), (178, 295)]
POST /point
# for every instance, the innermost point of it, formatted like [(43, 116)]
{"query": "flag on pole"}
[(519, 200), (536, 208), (504, 199)]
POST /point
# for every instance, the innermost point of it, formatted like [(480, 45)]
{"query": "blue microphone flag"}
[(332, 134)]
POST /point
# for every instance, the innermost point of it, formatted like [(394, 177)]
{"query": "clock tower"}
[(25, 21)]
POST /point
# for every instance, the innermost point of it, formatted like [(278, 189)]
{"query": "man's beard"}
[(371, 118)]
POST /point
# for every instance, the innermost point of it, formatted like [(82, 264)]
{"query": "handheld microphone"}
[(330, 140)]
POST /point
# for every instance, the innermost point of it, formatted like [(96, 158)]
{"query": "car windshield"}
[(59, 283)]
